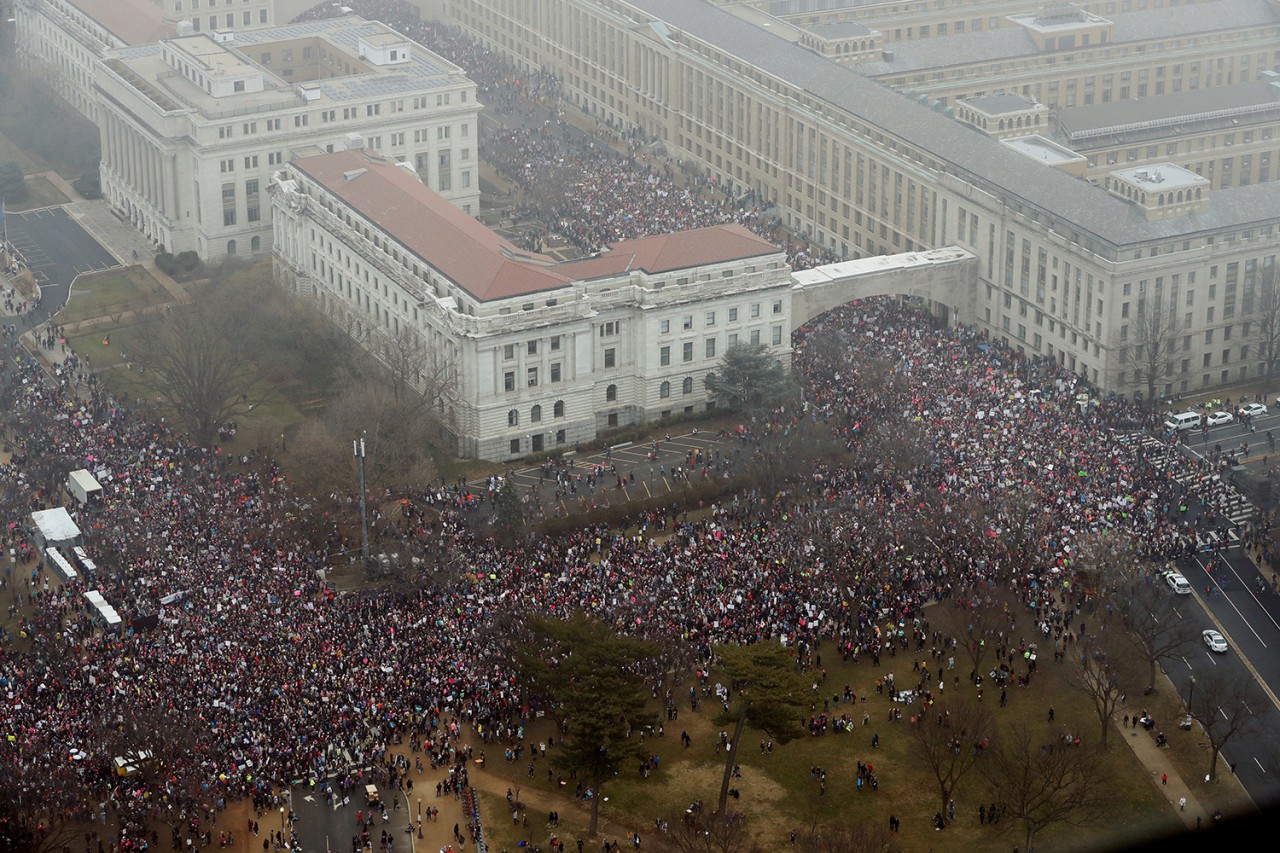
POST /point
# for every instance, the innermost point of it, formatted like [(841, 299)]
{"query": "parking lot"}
[(56, 249)]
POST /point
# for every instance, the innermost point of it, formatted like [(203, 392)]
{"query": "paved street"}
[(1231, 594), (56, 249)]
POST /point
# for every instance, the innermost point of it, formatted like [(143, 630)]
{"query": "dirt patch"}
[(759, 793)]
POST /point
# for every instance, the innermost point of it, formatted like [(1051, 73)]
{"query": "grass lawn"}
[(101, 294), (43, 194), (259, 428), (779, 794), (31, 164)]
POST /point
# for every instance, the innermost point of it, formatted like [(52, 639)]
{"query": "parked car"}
[(1183, 421), (1177, 583), (1215, 641), (1219, 418), (1252, 410)]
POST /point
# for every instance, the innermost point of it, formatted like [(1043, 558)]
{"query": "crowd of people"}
[(606, 186), (244, 668), (277, 676)]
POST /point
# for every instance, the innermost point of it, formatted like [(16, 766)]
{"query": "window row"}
[(535, 414), (710, 317)]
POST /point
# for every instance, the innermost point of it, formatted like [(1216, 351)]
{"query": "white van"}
[(1183, 421)]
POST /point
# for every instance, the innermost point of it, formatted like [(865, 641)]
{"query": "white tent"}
[(55, 528)]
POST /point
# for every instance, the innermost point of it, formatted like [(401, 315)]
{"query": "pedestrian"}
[(1182, 804), (1051, 713), (1164, 779)]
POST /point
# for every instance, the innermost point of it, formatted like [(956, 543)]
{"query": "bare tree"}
[(983, 620), (948, 739), (698, 832), (1223, 706), (397, 437), (1153, 348), (1155, 628), (1105, 671), (45, 812), (197, 362), (1041, 781), (1266, 315), (861, 837)]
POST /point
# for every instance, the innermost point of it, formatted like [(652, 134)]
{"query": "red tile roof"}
[(131, 21), (422, 221), (481, 262), (673, 251)]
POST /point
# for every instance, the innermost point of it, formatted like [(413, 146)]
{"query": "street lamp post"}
[(357, 447), (283, 839)]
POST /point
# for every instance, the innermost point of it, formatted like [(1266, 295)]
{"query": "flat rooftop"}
[(1161, 176), (477, 259), (213, 57), (1242, 99), (131, 21), (425, 70), (839, 30), (1042, 150), (1000, 103), (1078, 206), (1055, 20), (1015, 42)]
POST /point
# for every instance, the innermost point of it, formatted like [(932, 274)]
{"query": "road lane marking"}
[(1244, 659)]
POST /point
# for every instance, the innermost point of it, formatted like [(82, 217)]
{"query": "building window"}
[(559, 436), (555, 343), (531, 347), (535, 414), (664, 390), (255, 245), (687, 322), (611, 393), (777, 306), (509, 352), (711, 318), (231, 247), (777, 335), (687, 351), (513, 417), (711, 347), (610, 357), (664, 327), (558, 409), (515, 446), (509, 380), (686, 387), (733, 315), (664, 356), (555, 372), (532, 377), (613, 420)]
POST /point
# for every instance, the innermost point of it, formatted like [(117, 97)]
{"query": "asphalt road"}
[(1250, 621), (57, 249)]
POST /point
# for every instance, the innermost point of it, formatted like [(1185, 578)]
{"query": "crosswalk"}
[(1221, 498)]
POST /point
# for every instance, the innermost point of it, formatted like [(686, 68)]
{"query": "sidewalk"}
[(1158, 764)]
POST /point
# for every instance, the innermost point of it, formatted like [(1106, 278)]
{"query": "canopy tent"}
[(55, 528)]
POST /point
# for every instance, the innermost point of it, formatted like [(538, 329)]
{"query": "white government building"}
[(69, 36), (193, 126), (539, 353)]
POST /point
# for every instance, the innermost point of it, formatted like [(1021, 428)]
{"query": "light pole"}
[(357, 448), (1191, 692), (282, 834)]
